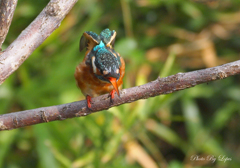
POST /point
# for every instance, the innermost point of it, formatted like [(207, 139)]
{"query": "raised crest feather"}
[(88, 37)]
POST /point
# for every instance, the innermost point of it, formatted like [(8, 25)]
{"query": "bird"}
[(102, 69)]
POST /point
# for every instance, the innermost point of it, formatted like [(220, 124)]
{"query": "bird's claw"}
[(89, 100)]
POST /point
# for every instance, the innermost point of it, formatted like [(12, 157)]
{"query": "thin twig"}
[(7, 8), (160, 86), (46, 22)]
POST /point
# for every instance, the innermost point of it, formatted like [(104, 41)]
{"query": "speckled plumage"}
[(106, 35), (101, 66)]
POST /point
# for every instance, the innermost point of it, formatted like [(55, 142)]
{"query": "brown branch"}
[(46, 22), (166, 85), (7, 8)]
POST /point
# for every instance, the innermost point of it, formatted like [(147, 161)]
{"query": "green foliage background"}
[(155, 37)]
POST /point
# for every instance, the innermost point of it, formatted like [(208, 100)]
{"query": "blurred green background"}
[(155, 37)]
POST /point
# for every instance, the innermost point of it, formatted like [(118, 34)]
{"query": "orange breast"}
[(91, 85)]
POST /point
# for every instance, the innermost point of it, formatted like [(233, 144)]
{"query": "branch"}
[(7, 8), (46, 22), (160, 86)]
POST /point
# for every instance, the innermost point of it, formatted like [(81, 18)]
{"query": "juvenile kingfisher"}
[(102, 69)]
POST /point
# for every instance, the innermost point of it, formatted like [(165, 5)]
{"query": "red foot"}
[(88, 101), (112, 93)]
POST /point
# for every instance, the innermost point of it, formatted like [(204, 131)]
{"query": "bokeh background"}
[(156, 38)]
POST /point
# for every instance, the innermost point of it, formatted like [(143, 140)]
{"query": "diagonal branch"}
[(46, 22), (160, 86), (7, 8)]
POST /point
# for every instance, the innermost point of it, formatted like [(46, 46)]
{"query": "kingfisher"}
[(102, 69)]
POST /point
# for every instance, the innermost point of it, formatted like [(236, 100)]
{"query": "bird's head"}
[(101, 56)]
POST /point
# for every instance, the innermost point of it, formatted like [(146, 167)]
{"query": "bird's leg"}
[(112, 93), (89, 101)]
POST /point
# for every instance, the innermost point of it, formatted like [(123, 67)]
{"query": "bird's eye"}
[(105, 72)]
